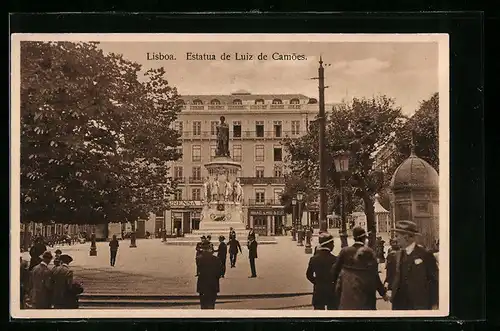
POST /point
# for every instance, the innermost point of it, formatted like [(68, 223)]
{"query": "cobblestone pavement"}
[(153, 268)]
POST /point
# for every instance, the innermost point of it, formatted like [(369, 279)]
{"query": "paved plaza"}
[(154, 269)]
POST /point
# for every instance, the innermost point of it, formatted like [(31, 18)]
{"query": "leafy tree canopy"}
[(95, 140), (360, 127)]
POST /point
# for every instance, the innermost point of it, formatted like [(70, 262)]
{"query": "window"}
[(178, 172), (237, 152), (196, 173), (196, 153), (277, 102), (260, 196), (213, 128), (278, 154), (277, 194), (179, 126), (277, 129), (213, 149), (278, 171), (237, 129), (294, 101), (196, 128), (179, 150), (259, 101), (197, 102), (178, 194), (196, 194), (215, 102), (237, 102), (259, 128), (295, 127), (259, 153), (259, 172)]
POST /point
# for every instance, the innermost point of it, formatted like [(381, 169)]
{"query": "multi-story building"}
[(258, 125)]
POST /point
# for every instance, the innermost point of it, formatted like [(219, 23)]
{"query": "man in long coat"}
[(198, 252), (318, 273), (209, 268), (415, 281), (62, 283), (41, 283), (252, 255), (390, 263), (234, 246), (356, 275), (222, 255)]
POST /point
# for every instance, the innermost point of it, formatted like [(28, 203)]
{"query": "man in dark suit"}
[(232, 233), (198, 252), (62, 283), (390, 264), (415, 282), (318, 273), (41, 283), (356, 276), (222, 254), (252, 255), (234, 246), (210, 270)]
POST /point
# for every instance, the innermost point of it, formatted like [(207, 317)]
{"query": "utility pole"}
[(323, 223)]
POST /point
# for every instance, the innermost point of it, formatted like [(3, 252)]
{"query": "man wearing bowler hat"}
[(210, 270), (41, 286), (62, 283), (318, 273), (415, 281)]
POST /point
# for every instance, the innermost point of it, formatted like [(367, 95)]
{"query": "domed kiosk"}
[(415, 197)]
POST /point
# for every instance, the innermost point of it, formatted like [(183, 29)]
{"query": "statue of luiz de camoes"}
[(222, 193)]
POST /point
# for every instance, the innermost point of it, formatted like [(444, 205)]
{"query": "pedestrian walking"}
[(390, 264), (41, 289), (318, 273), (58, 253), (113, 250), (222, 255), (356, 276), (210, 269), (415, 282), (252, 255), (251, 234), (234, 247), (232, 233), (198, 252), (62, 284)]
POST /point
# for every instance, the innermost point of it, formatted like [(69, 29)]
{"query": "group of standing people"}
[(351, 280), (210, 268), (46, 287)]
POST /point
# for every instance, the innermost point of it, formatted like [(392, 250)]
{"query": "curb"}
[(189, 296)]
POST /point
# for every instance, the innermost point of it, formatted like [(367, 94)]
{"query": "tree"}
[(95, 140), (360, 127)]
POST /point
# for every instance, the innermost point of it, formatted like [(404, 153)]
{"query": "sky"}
[(405, 71)]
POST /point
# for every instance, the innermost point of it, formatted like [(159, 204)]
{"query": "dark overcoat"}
[(252, 249), (318, 273), (41, 286), (357, 278), (422, 280), (62, 286), (210, 271), (222, 251), (234, 246), (390, 268)]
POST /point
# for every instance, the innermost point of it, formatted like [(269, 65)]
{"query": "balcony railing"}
[(195, 180), (265, 202), (208, 135), (180, 179), (262, 180), (249, 107)]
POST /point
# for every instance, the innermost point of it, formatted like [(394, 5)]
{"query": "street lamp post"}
[(322, 148), (133, 236), (341, 161), (294, 221), (300, 197), (93, 247)]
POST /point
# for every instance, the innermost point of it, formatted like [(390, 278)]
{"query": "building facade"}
[(258, 126)]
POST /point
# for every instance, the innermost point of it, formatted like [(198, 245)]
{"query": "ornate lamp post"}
[(133, 236), (294, 220), (300, 197), (341, 161), (93, 247)]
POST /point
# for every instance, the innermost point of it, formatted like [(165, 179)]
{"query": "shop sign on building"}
[(185, 203), (272, 212)]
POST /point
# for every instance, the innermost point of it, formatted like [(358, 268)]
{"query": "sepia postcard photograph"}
[(229, 175)]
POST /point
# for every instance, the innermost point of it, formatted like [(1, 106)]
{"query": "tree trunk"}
[(370, 219)]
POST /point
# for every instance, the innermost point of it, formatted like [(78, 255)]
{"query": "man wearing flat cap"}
[(41, 286), (356, 277), (210, 270), (415, 281), (62, 283), (318, 273)]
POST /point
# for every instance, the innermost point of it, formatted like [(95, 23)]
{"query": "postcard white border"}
[(444, 104)]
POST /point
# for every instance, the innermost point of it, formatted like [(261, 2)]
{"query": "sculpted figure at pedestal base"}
[(237, 191), (206, 190)]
